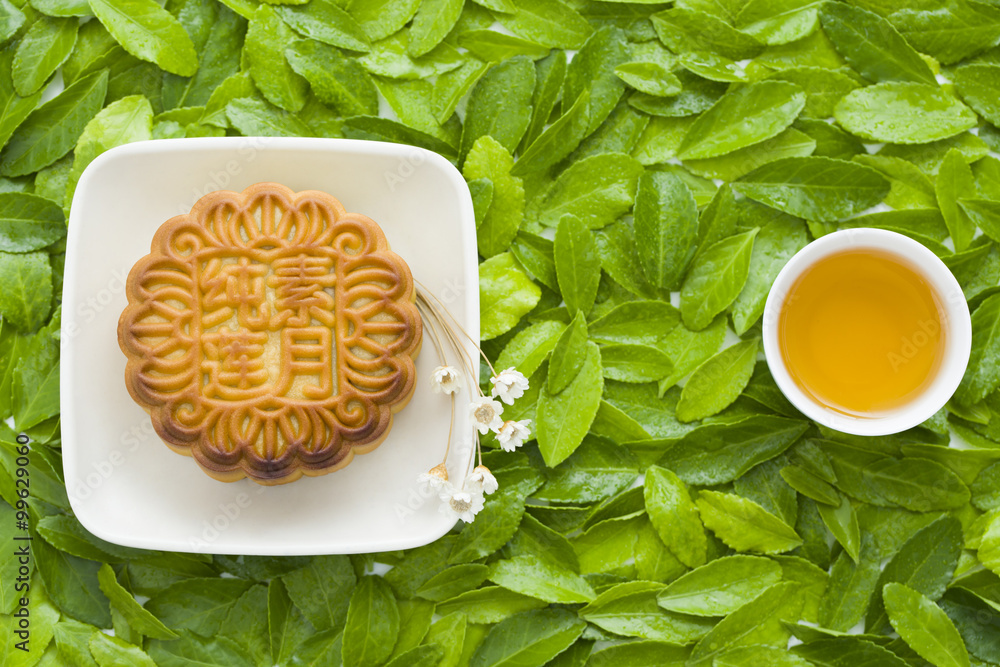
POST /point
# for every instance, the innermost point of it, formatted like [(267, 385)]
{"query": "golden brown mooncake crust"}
[(270, 334)]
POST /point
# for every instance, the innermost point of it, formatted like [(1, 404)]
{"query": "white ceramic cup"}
[(956, 324)]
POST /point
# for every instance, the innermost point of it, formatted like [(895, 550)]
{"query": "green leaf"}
[(568, 355), (675, 518), (287, 627), (540, 579), (325, 22), (650, 78), (433, 21), (729, 167), (495, 524), (123, 601), (390, 58), (924, 627), (777, 241), (596, 470), (638, 654), (758, 622), (630, 609), (506, 294), (372, 624), (715, 280), (500, 104), (110, 651), (27, 295), (903, 113), (490, 604), (381, 18), (374, 128), (453, 581), (666, 227), (721, 586), (684, 30), (321, 590), (718, 382), (925, 563), (921, 485), (121, 122), (528, 638), (847, 652), (635, 363), (336, 80), (550, 73), (778, 21), (51, 130), (983, 374), (148, 32), (197, 604), (564, 418), (954, 178), (264, 51), (29, 222), (493, 46), (246, 624), (741, 118), (949, 32), (635, 323), (489, 159), (592, 69), (815, 188), (558, 140), (536, 254), (979, 86), (842, 521), (598, 190), (192, 649), (41, 51), (72, 584), (256, 117), (688, 349), (578, 267), (11, 20), (744, 525), (546, 22), (531, 346), (872, 46)]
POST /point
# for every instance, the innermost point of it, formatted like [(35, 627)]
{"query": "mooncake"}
[(270, 334)]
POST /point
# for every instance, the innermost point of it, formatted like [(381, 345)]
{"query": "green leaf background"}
[(641, 172)]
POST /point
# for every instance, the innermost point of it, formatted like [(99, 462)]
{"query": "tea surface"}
[(861, 332)]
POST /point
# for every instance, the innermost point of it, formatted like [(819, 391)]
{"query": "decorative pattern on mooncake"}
[(270, 334)]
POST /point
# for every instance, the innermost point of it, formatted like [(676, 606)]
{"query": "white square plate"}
[(124, 484)]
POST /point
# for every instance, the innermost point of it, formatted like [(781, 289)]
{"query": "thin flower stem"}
[(457, 325), (455, 343), (451, 428)]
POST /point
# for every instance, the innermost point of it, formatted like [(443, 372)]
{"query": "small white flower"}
[(436, 478), (463, 504), (485, 414), (481, 478), (509, 385), (512, 434), (446, 379)]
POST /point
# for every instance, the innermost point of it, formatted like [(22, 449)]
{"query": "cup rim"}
[(958, 322)]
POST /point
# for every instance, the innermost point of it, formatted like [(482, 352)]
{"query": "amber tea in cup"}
[(866, 331), (861, 332)]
